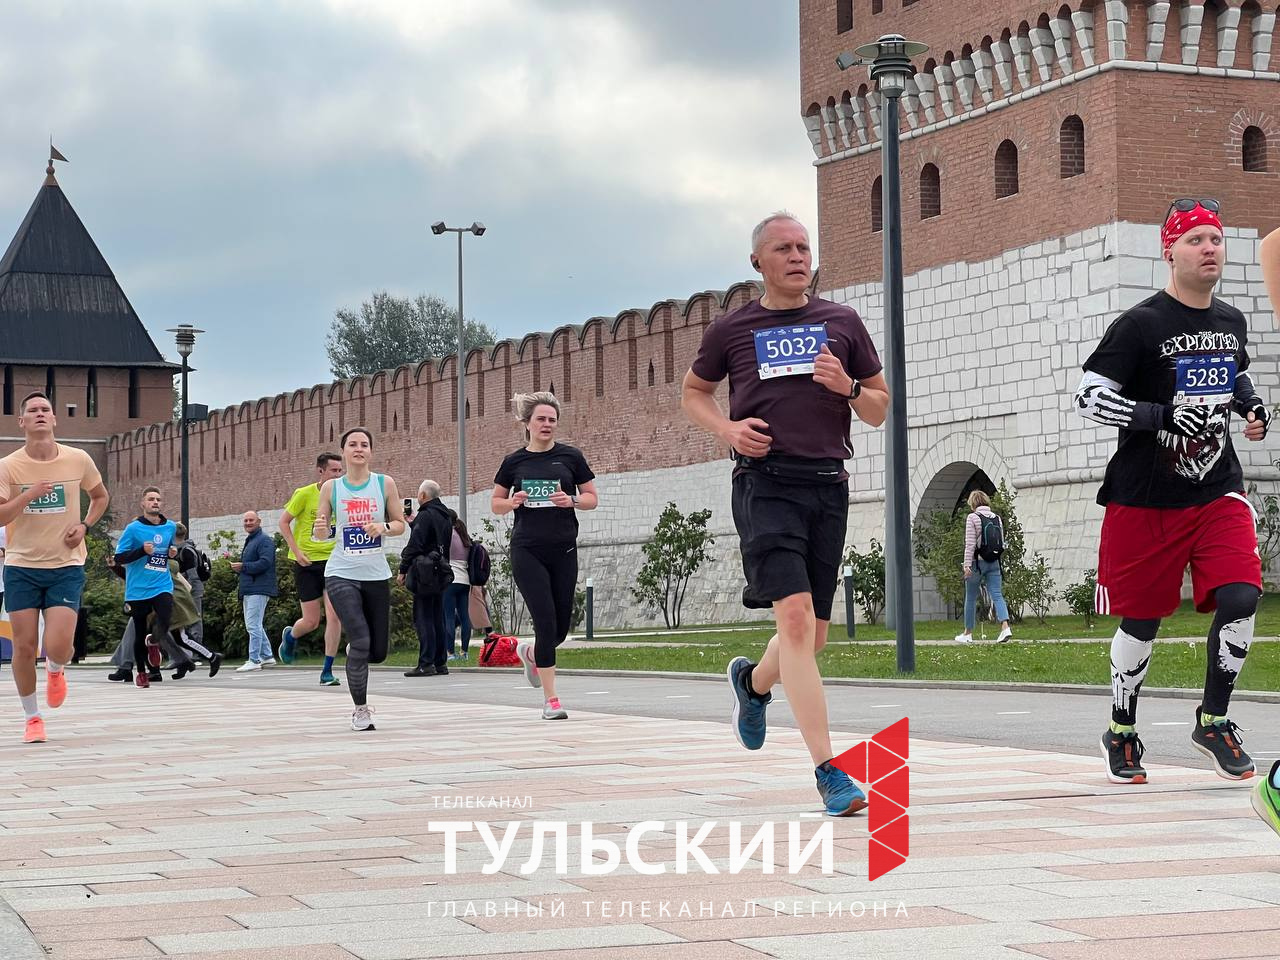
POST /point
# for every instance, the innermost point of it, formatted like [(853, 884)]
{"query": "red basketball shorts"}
[(1145, 551)]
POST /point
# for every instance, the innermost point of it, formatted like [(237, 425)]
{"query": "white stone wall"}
[(994, 353)]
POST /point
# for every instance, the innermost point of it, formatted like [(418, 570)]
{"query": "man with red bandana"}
[(1168, 373)]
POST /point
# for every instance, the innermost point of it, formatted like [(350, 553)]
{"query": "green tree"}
[(387, 331), (868, 580), (673, 555)]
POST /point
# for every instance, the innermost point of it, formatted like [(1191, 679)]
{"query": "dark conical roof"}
[(60, 304)]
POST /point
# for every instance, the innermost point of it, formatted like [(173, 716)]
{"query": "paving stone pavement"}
[(212, 823)]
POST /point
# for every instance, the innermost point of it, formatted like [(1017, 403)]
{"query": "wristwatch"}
[(855, 391)]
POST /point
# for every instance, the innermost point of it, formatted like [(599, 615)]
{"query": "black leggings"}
[(546, 577), (139, 610), (364, 610)]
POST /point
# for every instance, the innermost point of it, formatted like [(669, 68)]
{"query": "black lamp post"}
[(185, 335), (478, 229), (890, 62)]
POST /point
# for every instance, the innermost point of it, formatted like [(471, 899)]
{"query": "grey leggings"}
[(364, 610)]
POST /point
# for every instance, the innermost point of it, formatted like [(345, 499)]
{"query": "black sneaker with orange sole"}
[(1123, 753), (1220, 742)]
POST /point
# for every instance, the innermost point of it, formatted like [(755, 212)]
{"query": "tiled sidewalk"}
[(212, 823)]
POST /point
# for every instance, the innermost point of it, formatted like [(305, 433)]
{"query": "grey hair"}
[(524, 404), (430, 489), (758, 232)]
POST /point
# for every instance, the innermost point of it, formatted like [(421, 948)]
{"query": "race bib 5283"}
[(1208, 379), (788, 351), (55, 501)]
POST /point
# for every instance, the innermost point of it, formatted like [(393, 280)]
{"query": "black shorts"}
[(792, 538), (309, 580)]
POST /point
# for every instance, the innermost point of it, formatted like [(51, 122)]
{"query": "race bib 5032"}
[(788, 351)]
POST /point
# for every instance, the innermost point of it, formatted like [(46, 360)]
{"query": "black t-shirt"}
[(538, 474), (1162, 351), (805, 418)]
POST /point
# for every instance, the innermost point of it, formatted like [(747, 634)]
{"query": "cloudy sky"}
[(249, 167)]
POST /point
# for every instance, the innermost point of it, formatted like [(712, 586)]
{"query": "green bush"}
[(868, 580), (1080, 597)]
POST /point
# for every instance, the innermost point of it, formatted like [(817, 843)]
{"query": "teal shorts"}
[(35, 588)]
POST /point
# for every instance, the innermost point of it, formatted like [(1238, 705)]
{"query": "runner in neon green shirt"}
[(309, 557)]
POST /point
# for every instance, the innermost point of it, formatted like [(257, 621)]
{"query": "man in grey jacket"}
[(257, 570)]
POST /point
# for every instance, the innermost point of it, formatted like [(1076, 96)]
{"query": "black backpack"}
[(477, 565), (204, 566), (429, 574), (990, 537)]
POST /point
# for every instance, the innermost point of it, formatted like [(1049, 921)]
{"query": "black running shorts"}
[(792, 538), (309, 580)]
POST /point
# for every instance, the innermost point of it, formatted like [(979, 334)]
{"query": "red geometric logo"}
[(881, 763)]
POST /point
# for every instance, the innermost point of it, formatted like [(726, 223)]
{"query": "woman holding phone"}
[(545, 483)]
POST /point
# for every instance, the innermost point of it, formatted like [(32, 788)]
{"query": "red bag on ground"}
[(499, 651)]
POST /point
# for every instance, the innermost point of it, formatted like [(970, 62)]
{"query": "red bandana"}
[(1180, 222)]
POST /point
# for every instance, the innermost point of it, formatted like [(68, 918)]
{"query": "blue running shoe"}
[(748, 706), (840, 795), (287, 644)]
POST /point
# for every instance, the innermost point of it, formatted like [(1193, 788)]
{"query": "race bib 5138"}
[(55, 501)]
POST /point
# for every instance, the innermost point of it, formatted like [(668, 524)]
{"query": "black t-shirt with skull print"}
[(1163, 351)]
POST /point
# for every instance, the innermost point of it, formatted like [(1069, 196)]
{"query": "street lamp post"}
[(185, 335), (890, 62), (478, 229)]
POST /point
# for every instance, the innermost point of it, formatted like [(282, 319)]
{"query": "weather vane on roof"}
[(54, 154)]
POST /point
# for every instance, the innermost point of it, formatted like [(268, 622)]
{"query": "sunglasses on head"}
[(1187, 204)]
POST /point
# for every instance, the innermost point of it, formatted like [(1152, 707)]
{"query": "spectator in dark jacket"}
[(432, 530), (257, 569)]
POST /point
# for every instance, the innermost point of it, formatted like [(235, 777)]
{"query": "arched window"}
[(91, 394), (1006, 169), (1254, 146), (877, 6), (651, 373), (844, 16), (930, 192), (877, 206), (1071, 147), (135, 398), (51, 387), (8, 391)]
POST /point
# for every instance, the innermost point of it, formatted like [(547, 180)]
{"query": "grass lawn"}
[(1042, 661)]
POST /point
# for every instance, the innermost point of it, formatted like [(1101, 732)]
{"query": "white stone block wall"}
[(994, 354)]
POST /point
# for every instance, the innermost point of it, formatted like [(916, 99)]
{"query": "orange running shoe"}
[(35, 731), (55, 688)]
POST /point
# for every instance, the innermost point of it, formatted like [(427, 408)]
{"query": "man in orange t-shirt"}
[(40, 487)]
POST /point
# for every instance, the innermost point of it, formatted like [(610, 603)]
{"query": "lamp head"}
[(847, 60), (890, 58), (478, 228), (438, 227)]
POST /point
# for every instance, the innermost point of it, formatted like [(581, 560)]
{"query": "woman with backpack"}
[(983, 546), (457, 596)]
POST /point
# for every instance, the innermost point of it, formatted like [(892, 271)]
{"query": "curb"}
[(1101, 690), (17, 942)]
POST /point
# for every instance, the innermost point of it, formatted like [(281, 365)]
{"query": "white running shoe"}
[(1005, 635), (964, 638), (362, 718), (248, 665), (269, 662), (525, 652)]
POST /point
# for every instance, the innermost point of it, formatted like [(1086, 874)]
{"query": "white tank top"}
[(356, 555)]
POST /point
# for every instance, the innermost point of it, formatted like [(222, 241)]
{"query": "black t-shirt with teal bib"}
[(1163, 351), (539, 522)]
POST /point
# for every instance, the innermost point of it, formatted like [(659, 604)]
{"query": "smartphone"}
[(408, 505)]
